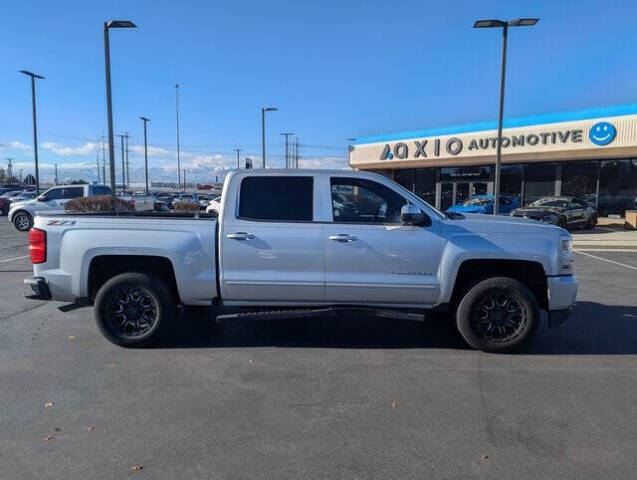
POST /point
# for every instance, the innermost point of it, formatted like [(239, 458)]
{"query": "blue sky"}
[(335, 69)]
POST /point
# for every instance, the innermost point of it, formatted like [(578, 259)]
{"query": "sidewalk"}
[(604, 238)]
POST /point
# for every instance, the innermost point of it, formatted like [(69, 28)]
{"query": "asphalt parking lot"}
[(318, 398)]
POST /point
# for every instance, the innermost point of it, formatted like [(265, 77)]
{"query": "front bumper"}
[(562, 291), (36, 289)]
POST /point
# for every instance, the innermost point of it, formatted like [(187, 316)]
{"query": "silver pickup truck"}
[(299, 243)]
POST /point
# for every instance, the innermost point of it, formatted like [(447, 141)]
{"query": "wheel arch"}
[(529, 272), (104, 267)]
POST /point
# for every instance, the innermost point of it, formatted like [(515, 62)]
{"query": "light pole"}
[(287, 160), (35, 126), (263, 110), (504, 25), (178, 159), (109, 101), (238, 150), (145, 120), (121, 137)]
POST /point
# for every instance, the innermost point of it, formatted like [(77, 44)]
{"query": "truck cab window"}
[(277, 199), (54, 194), (356, 200), (73, 192)]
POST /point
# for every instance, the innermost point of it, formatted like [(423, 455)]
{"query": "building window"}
[(539, 181), (465, 173), (511, 181), (425, 185), (617, 187), (579, 179)]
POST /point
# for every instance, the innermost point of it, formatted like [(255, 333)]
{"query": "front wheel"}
[(497, 314), (23, 221), (132, 309)]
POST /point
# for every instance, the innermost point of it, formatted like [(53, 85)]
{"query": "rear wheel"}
[(497, 314), (132, 309), (23, 221)]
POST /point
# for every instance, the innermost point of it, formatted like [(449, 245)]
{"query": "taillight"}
[(37, 245)]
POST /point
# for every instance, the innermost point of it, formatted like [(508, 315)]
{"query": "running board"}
[(318, 312)]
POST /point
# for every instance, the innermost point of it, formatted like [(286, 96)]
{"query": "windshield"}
[(550, 202)]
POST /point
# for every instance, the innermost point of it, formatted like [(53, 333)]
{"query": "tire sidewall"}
[(20, 215), (512, 287), (157, 290)]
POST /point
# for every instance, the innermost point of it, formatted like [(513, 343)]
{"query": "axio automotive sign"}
[(601, 134)]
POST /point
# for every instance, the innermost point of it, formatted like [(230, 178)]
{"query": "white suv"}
[(21, 213)]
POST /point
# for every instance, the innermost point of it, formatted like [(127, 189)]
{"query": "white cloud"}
[(65, 151), (15, 145), (152, 151)]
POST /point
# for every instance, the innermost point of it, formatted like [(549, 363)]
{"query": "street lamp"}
[(109, 102), (504, 25), (145, 120), (35, 126), (263, 110)]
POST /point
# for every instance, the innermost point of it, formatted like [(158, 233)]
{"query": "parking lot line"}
[(12, 259), (605, 260), (626, 250)]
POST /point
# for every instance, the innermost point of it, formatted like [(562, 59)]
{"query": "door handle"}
[(342, 237), (240, 236)]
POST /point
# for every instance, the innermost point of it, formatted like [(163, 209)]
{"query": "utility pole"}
[(9, 168), (35, 126), (178, 159), (121, 137), (97, 162), (296, 154), (56, 173), (127, 164), (287, 159), (145, 120), (103, 161), (184, 180), (238, 150)]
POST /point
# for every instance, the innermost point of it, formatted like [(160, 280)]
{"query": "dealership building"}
[(590, 154)]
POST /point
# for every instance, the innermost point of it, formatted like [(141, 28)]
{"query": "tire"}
[(23, 221), (497, 314), (126, 299)]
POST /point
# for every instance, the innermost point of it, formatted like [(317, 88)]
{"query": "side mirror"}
[(42, 198), (412, 215)]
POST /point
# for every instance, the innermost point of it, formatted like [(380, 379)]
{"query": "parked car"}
[(24, 195), (484, 204), (5, 200), (214, 206), (52, 200), (565, 212), (298, 255), (10, 187)]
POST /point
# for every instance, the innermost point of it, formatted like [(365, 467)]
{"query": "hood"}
[(30, 201), (477, 223), (540, 210)]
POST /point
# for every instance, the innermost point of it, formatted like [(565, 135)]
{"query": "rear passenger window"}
[(73, 192), (277, 199)]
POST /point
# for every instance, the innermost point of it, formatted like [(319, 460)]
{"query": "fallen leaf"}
[(48, 404), (71, 337), (394, 404), (250, 361), (91, 428), (48, 437), (136, 468), (57, 429), (484, 457)]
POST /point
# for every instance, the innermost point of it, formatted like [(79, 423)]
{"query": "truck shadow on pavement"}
[(593, 329)]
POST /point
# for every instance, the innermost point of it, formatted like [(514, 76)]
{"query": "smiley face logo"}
[(602, 133)]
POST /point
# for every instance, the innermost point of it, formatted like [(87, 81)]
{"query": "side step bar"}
[(317, 312)]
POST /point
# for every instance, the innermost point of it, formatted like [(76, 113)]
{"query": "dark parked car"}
[(566, 212)]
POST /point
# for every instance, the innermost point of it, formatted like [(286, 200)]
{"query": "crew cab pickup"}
[(300, 243)]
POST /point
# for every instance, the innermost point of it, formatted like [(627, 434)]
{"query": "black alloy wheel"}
[(497, 314)]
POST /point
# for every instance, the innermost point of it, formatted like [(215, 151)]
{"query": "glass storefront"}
[(615, 180), (617, 186)]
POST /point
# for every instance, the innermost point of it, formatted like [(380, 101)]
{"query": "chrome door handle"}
[(342, 237), (240, 236)]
